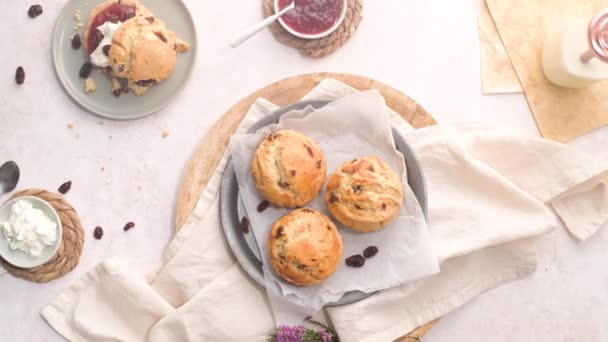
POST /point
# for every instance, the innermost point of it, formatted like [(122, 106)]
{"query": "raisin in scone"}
[(289, 169), (364, 194), (305, 247)]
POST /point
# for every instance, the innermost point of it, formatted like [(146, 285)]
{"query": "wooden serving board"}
[(284, 92)]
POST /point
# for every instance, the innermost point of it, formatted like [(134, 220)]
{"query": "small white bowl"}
[(313, 36), (19, 258)]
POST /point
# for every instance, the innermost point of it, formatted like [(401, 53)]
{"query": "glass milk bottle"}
[(575, 54)]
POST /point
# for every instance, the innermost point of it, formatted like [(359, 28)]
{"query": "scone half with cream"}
[(305, 247), (364, 194), (133, 46), (289, 169)]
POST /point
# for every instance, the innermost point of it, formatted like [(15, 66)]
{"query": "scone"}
[(364, 194), (144, 52), (289, 169), (305, 247)]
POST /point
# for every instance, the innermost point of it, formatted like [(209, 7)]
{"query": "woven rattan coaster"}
[(71, 246), (317, 48)]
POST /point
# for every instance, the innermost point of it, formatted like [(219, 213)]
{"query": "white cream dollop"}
[(107, 29), (29, 229)]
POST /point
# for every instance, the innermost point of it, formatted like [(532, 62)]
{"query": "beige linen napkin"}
[(487, 193)]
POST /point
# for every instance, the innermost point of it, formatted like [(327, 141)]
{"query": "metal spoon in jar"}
[(250, 32), (9, 177)]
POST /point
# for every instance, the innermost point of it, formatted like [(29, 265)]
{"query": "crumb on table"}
[(71, 125), (165, 133)]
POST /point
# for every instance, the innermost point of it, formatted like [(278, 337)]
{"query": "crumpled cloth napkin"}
[(491, 191)]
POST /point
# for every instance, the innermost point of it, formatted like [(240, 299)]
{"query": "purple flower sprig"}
[(300, 333)]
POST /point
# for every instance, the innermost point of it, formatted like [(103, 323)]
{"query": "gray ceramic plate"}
[(19, 258), (232, 209), (128, 106)]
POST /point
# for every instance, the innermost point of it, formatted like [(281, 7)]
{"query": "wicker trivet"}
[(317, 48), (70, 249)]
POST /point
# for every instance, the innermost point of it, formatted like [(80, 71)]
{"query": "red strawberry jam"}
[(114, 13), (312, 16)]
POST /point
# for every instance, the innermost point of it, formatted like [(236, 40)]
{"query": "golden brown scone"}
[(305, 247), (143, 52), (140, 10), (289, 169), (364, 194)]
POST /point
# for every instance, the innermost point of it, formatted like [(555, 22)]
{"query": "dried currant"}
[(34, 11), (129, 226), (357, 189), (309, 149), (263, 206), (333, 198), (97, 38), (98, 233), (76, 42), (356, 260), (284, 185), (245, 225), (358, 207), (279, 232), (85, 70), (370, 252), (384, 206), (161, 37), (20, 75), (318, 164), (145, 83), (65, 187), (292, 173), (106, 50)]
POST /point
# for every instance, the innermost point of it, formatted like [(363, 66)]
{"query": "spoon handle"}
[(251, 31)]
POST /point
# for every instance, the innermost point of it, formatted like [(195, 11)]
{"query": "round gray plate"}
[(243, 246), (68, 61)]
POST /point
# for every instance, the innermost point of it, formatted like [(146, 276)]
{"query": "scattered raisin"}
[(98, 233), (245, 225), (355, 261), (371, 168), (302, 267), (150, 19), (357, 189), (329, 228), (318, 164), (284, 185), (128, 226), (279, 232), (65, 187), (106, 50), (145, 83), (76, 42), (85, 70), (370, 252), (384, 206), (20, 75), (263, 206), (292, 172), (358, 207), (333, 198), (34, 11)]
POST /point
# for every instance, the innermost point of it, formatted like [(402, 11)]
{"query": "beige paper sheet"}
[(497, 73), (561, 114)]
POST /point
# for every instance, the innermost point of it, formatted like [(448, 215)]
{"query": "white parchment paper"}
[(355, 126)]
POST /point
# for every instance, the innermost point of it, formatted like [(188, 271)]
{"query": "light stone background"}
[(427, 49)]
